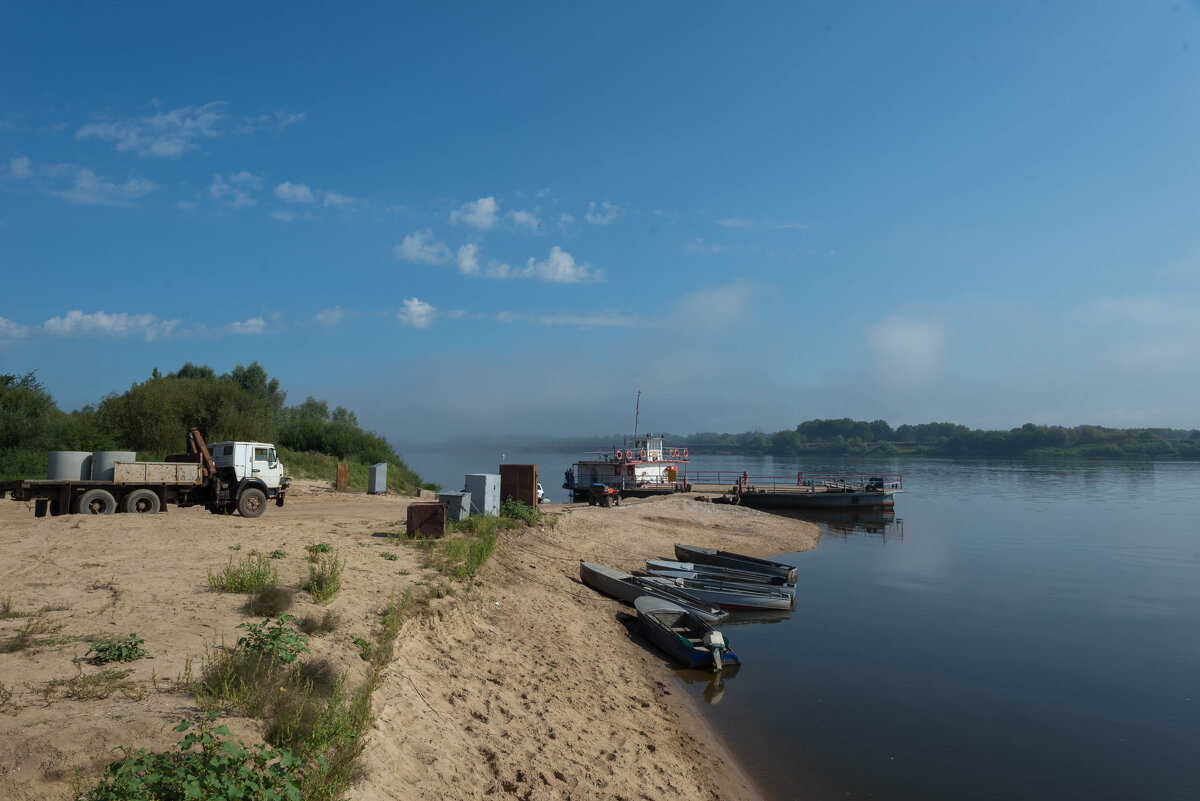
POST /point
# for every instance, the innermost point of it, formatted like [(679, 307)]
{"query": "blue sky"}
[(511, 217)]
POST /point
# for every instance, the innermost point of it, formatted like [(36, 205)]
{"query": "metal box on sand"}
[(484, 489), (427, 520), (519, 482), (377, 479), (458, 504)]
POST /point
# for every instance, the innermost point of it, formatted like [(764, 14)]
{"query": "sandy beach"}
[(527, 683)]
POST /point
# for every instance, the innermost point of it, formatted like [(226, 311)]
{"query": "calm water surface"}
[(1014, 630)]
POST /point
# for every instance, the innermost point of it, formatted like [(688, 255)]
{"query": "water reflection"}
[(883, 525), (714, 683)]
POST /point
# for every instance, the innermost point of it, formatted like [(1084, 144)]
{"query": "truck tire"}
[(252, 502), (96, 502), (141, 501)]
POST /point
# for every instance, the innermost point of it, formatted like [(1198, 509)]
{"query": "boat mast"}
[(636, 414)]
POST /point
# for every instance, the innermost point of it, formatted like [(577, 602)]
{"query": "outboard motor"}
[(715, 642)]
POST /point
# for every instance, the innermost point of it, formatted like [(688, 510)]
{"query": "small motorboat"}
[(673, 569), (727, 595), (627, 588), (711, 556), (682, 636)]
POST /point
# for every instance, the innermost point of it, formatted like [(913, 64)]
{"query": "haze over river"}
[(1015, 630)]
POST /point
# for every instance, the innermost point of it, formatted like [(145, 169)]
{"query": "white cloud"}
[(480, 213), (526, 219), (468, 259), (274, 122), (602, 214), (560, 268), (163, 135), (542, 192), (334, 316), (718, 307), (283, 216), (418, 246), (294, 193), (92, 189), (20, 168), (234, 191), (76, 323), (908, 349), (416, 314), (11, 330), (255, 325), (185, 205), (744, 222), (610, 318), (339, 201)]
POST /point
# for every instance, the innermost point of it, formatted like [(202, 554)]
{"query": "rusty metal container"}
[(427, 520), (156, 473), (519, 482), (343, 479)]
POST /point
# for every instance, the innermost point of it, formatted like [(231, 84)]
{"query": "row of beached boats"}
[(679, 600)]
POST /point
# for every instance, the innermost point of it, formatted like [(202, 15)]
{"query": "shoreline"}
[(559, 694), (522, 682)]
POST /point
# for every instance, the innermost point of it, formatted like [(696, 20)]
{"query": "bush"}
[(118, 649), (519, 510), (277, 640), (251, 574), (325, 577), (221, 768)]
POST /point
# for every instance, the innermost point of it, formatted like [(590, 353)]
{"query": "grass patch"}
[(36, 632), (251, 574), (90, 686), (388, 555), (278, 553), (323, 624), (270, 602), (465, 550), (324, 580)]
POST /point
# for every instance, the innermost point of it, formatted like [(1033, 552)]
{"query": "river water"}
[(1014, 630)]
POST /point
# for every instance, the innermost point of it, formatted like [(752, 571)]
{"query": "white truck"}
[(239, 476)]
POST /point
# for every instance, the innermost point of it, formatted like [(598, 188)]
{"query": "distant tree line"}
[(152, 418), (855, 437)]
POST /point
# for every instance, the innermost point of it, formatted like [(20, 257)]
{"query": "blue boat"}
[(682, 636)]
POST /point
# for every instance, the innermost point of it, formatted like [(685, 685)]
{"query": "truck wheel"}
[(141, 501), (96, 502), (252, 502)]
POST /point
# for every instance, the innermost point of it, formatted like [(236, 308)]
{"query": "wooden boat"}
[(711, 556), (682, 636), (673, 569), (627, 588), (728, 596)]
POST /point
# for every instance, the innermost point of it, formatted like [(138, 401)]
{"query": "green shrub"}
[(519, 510), (220, 768), (251, 574), (325, 577), (277, 640), (118, 649), (388, 555), (317, 548), (279, 553)]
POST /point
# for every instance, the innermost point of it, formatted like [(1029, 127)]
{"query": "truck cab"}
[(249, 461)]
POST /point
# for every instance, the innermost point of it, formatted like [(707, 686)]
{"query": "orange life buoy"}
[(685, 453), (629, 456), (642, 454), (674, 453), (618, 454)]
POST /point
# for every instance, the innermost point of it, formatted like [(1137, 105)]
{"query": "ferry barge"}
[(642, 469)]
